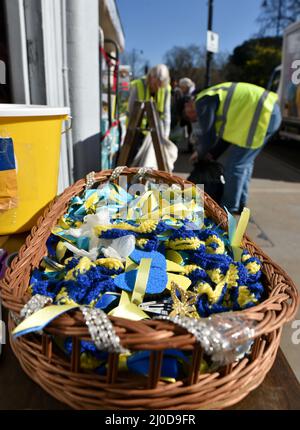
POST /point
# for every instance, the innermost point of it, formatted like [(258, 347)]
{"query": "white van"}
[(285, 80)]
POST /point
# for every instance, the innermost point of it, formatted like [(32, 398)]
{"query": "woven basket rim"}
[(217, 390), (280, 306)]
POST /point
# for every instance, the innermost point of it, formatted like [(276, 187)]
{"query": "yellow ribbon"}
[(41, 318), (239, 234), (127, 309), (128, 305), (141, 281)]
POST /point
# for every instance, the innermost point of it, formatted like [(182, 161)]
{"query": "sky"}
[(155, 26)]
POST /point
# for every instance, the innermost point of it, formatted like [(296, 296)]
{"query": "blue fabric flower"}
[(157, 279)]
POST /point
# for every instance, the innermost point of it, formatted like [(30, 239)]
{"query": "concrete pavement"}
[(274, 201), (275, 206)]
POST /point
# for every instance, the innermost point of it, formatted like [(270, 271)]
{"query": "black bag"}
[(211, 175)]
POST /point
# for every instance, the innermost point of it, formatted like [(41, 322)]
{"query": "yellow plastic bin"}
[(36, 133)]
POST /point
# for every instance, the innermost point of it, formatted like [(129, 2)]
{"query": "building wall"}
[(54, 60), (83, 60), (5, 93)]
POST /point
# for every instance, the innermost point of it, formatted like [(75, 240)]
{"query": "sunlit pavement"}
[(274, 201)]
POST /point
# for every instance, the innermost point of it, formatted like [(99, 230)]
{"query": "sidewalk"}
[(275, 228), (274, 225)]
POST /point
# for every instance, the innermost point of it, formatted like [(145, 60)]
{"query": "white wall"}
[(37, 63), (83, 60), (54, 48)]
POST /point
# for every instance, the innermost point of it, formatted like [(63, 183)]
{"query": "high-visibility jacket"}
[(244, 112), (143, 93)]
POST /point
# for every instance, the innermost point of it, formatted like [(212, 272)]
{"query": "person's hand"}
[(194, 157)]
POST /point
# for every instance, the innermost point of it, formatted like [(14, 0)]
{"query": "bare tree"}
[(185, 58), (186, 61), (276, 15), (189, 62), (220, 60)]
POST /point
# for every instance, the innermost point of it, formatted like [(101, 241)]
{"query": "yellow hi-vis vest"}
[(244, 112), (143, 93)]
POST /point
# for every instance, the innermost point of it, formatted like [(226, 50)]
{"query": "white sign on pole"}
[(212, 43)]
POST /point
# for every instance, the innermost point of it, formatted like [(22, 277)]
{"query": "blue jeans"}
[(238, 168)]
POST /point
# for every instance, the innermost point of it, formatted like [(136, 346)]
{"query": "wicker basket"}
[(63, 378)]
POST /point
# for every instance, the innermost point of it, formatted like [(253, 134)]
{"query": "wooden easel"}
[(139, 109)]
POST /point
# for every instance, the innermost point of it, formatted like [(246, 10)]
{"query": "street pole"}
[(209, 55)]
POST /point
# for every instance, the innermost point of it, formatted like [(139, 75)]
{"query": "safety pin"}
[(53, 264)]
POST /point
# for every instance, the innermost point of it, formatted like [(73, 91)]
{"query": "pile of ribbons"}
[(143, 255)]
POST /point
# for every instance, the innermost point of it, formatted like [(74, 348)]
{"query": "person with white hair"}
[(187, 86), (155, 86)]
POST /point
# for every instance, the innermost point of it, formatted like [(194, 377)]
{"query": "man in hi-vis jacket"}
[(238, 118)]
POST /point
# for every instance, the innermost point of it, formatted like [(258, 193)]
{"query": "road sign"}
[(212, 44)]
